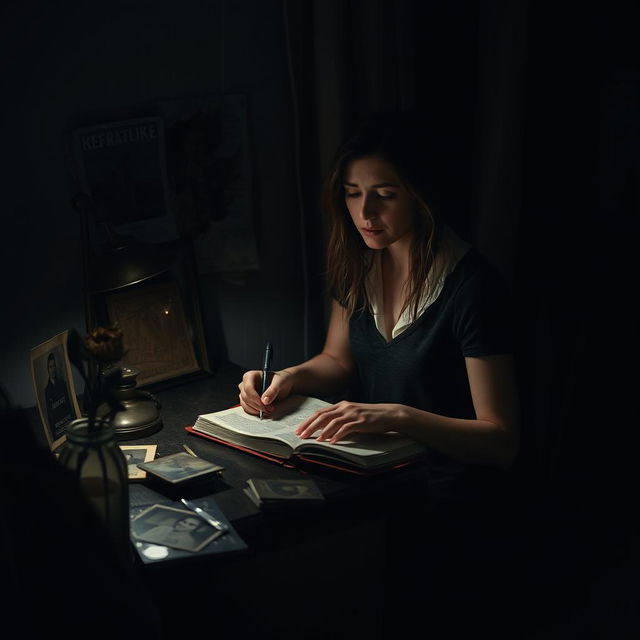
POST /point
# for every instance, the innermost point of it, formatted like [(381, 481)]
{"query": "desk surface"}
[(350, 499), (347, 496)]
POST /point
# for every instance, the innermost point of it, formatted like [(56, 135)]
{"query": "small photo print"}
[(54, 388), (134, 454), (278, 489), (171, 527), (179, 467)]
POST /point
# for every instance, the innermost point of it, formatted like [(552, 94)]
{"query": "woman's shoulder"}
[(474, 267), (476, 282)]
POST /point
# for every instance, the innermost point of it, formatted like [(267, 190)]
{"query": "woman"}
[(418, 337), (418, 342)]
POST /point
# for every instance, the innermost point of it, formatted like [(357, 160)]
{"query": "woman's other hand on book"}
[(339, 420), (251, 386)]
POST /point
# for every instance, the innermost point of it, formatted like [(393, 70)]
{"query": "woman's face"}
[(379, 204), (187, 524)]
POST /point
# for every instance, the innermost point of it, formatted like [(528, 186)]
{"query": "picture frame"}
[(54, 388), (136, 453), (158, 335), (209, 181), (120, 164), (172, 527)]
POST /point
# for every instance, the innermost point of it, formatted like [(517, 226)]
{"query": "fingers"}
[(251, 400), (333, 423), (249, 395)]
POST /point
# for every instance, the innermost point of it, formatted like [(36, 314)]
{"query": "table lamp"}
[(123, 261)]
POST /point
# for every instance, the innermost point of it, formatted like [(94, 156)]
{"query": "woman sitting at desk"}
[(419, 336), (419, 330)]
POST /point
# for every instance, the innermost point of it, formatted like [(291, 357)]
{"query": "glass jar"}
[(98, 463)]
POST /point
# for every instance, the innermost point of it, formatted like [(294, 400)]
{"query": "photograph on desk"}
[(170, 527), (275, 437), (271, 493), (145, 517), (181, 467), (135, 454), (54, 388)]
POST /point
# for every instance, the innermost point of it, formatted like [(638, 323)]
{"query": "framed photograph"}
[(179, 467), (54, 388), (136, 453), (157, 333), (171, 527)]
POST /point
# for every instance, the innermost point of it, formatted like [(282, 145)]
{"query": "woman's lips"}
[(370, 232)]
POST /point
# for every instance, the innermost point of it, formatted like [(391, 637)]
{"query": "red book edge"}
[(281, 461), (291, 462)]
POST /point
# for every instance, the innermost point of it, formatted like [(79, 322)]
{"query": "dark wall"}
[(63, 61)]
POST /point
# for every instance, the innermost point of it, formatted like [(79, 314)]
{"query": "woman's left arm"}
[(492, 438)]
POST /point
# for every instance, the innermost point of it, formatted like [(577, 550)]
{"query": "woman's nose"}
[(367, 208)]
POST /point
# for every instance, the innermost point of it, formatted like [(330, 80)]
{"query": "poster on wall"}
[(209, 180), (121, 166)]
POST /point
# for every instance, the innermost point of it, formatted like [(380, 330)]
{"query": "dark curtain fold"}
[(535, 111), (533, 127)]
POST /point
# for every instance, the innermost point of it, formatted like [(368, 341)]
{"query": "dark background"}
[(534, 109)]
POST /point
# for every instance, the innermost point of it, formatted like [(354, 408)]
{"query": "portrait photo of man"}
[(56, 393), (53, 385)]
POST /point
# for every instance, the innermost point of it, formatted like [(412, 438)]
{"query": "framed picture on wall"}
[(209, 180), (157, 334), (54, 388)]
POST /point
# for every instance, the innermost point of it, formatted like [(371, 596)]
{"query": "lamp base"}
[(140, 414), (131, 431)]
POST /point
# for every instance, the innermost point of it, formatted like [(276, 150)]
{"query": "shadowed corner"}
[(60, 568)]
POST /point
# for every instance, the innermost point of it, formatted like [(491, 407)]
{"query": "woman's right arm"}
[(325, 374)]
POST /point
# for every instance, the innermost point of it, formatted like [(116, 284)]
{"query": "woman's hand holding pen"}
[(337, 421), (250, 400)]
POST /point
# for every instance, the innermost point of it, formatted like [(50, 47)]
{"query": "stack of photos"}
[(270, 493)]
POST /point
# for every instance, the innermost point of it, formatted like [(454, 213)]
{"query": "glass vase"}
[(98, 463)]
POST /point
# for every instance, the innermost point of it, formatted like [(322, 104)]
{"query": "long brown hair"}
[(397, 139)]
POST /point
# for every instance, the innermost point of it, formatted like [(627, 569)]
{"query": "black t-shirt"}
[(424, 366)]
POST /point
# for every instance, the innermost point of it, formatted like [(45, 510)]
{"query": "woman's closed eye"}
[(381, 195)]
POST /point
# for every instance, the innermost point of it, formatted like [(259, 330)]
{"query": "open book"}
[(275, 437)]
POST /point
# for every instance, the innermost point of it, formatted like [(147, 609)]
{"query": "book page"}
[(364, 445), (234, 425), (288, 415)]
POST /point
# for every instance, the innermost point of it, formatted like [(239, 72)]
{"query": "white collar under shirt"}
[(457, 248)]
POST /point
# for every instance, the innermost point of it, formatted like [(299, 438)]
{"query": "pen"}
[(207, 517), (189, 450), (268, 352)]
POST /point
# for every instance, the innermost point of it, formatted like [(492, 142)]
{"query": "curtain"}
[(535, 127)]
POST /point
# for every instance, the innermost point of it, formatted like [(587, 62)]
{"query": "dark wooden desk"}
[(334, 572), (294, 558), (326, 573), (181, 404)]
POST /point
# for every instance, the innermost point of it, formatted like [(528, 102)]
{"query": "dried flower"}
[(105, 344), (95, 358)]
